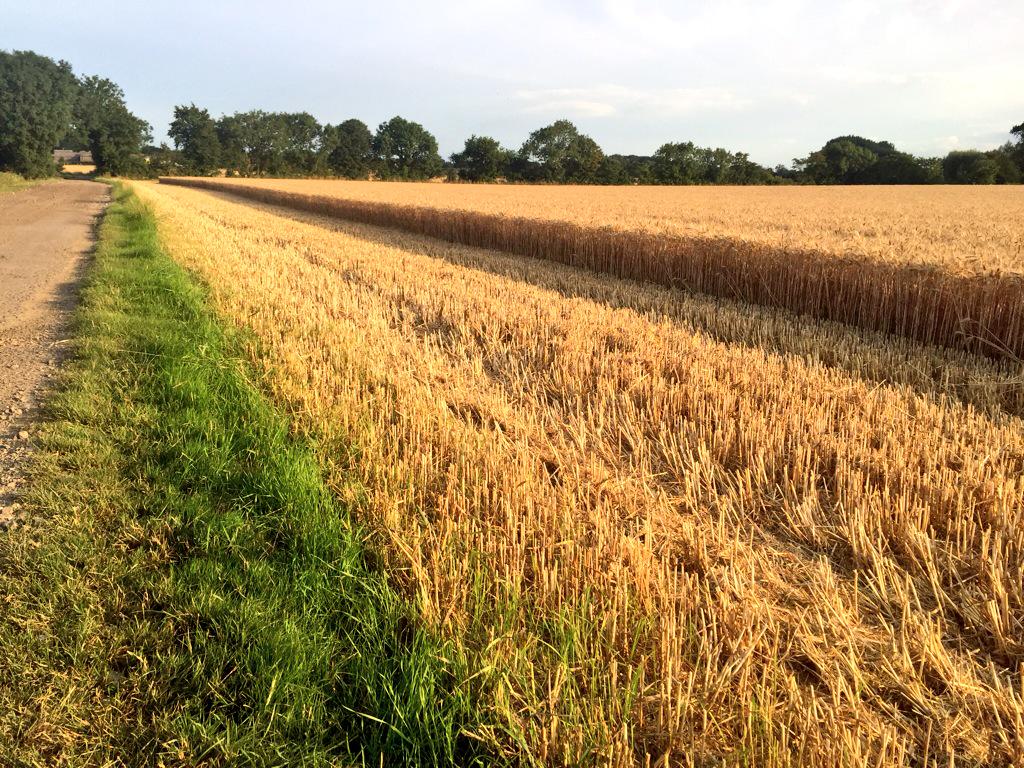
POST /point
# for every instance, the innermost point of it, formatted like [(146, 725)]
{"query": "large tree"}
[(351, 155), (678, 163), (969, 167), (195, 133), (115, 135), (841, 159), (406, 150), (1018, 148), (560, 153), (37, 95), (301, 141), (482, 159)]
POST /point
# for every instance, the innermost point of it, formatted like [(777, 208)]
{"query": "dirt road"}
[(45, 233)]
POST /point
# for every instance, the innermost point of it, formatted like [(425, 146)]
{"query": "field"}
[(79, 169), (965, 230), (832, 264), (665, 528)]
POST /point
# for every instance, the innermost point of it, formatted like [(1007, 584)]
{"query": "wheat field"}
[(671, 529), (966, 230), (831, 268)]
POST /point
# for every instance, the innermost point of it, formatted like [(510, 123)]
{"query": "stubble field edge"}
[(189, 590), (982, 314)]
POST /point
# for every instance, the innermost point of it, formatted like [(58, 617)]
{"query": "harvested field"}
[(670, 529), (901, 262)]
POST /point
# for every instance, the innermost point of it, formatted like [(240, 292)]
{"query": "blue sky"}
[(775, 78)]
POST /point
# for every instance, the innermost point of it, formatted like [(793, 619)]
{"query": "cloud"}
[(609, 100)]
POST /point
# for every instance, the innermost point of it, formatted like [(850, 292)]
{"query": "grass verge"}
[(12, 182), (190, 592)]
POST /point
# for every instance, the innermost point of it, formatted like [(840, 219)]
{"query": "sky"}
[(775, 78)]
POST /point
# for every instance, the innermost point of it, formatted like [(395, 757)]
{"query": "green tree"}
[(638, 169), (36, 99), (253, 142), (406, 150), (678, 163), (300, 143), (612, 171), (560, 153), (195, 134), (351, 155), (231, 135), (1007, 170), (482, 159), (1018, 148), (841, 159), (116, 136), (899, 168), (969, 167)]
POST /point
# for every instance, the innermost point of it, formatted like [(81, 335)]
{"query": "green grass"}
[(190, 592), (11, 182)]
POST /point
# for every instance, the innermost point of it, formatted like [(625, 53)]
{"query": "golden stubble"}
[(667, 527)]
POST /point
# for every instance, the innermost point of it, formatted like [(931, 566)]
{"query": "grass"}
[(12, 182), (190, 592)]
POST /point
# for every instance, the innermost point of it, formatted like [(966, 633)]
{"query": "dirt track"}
[(45, 233)]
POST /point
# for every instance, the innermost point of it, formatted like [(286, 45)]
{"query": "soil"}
[(46, 233)]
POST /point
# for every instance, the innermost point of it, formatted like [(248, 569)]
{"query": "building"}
[(72, 157)]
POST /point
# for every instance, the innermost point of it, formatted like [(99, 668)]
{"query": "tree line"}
[(44, 105)]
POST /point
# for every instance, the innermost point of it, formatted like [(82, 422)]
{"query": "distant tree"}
[(406, 150), (560, 153), (841, 159), (260, 136), (116, 136), (612, 171), (351, 155), (163, 161), (482, 159), (195, 134), (232, 135), (300, 142), (898, 168), (969, 167), (637, 169), (36, 99), (678, 163), (1007, 170), (1017, 151)]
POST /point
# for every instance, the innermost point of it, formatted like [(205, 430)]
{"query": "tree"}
[(482, 159), (612, 171), (677, 163), (300, 141), (406, 150), (231, 135), (1018, 148), (253, 142), (899, 168), (351, 155), (115, 135), (560, 153), (36, 99), (1007, 170), (841, 159), (195, 133), (637, 169), (969, 167)]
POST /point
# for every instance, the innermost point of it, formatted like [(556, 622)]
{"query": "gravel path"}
[(46, 232)]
